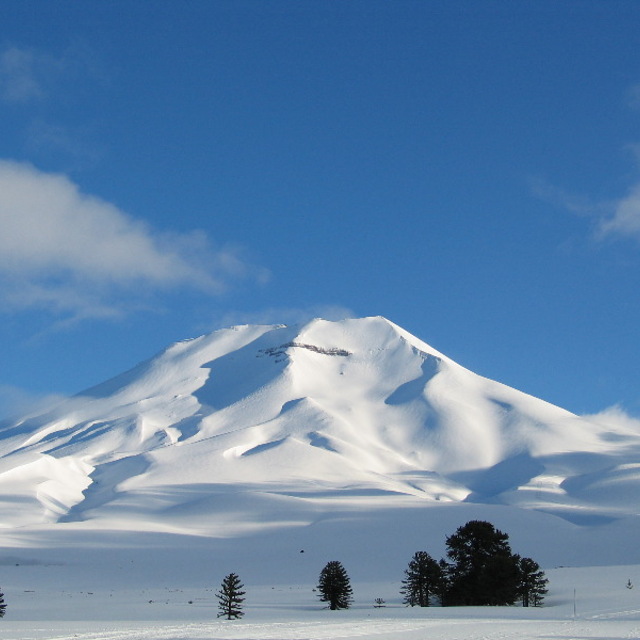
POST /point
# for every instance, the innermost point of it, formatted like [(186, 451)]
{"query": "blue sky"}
[(469, 170)]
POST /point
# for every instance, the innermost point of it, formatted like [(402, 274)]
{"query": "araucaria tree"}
[(334, 586), (533, 584), (423, 580), (3, 606), (482, 571), (230, 597)]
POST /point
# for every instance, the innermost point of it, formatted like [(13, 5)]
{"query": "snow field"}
[(604, 610)]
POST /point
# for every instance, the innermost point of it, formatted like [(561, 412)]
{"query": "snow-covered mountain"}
[(269, 427), (270, 450)]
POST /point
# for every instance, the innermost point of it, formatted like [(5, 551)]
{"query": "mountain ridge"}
[(290, 420)]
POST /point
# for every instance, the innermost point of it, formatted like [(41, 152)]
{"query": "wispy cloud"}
[(73, 142), (625, 217), (33, 81), (610, 219), (634, 96), (29, 75), (20, 75), (15, 402), (77, 255), (616, 419), (615, 218), (573, 202), (284, 315)]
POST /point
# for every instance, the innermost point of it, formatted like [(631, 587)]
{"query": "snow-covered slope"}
[(259, 427)]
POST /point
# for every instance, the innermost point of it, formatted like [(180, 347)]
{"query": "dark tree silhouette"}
[(483, 570), (533, 585), (423, 580), (334, 586), (3, 606), (230, 597)]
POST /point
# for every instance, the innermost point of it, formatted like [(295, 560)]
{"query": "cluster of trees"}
[(480, 570)]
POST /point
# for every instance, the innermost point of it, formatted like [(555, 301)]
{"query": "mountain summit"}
[(278, 424)]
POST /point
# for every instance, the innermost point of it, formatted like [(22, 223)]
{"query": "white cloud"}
[(76, 254)]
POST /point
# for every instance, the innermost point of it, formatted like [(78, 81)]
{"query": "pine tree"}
[(334, 586), (230, 597), (423, 580), (3, 606), (483, 569), (443, 586), (533, 585)]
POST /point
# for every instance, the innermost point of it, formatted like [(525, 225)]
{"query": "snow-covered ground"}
[(107, 586), (603, 609)]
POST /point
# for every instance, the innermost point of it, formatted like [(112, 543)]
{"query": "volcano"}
[(260, 427)]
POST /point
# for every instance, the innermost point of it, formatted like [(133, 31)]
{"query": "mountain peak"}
[(319, 409)]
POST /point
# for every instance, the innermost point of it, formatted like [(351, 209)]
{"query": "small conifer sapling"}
[(230, 597)]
